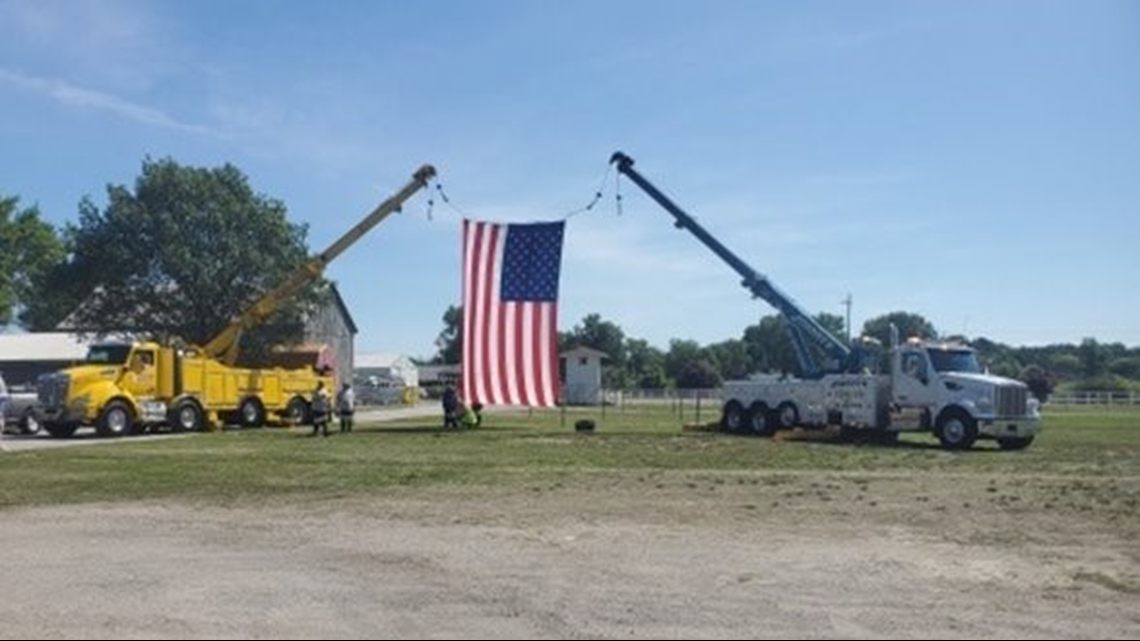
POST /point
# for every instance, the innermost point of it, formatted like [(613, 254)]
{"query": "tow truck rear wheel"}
[(760, 419), (251, 413), (187, 417), (787, 415)]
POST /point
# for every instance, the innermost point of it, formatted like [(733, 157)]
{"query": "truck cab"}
[(944, 389), (109, 390)]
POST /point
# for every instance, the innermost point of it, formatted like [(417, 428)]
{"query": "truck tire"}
[(1015, 443), (187, 417), (957, 430), (251, 413), (787, 415), (733, 418), (28, 423), (61, 430), (116, 419), (297, 412), (760, 419)]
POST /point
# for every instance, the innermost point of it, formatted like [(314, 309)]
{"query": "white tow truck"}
[(932, 387)]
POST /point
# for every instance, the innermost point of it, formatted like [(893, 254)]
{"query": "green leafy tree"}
[(768, 346), (645, 365), (909, 325), (449, 343), (181, 254), (1039, 380), (680, 354), (30, 249), (698, 374), (1093, 357), (730, 358)]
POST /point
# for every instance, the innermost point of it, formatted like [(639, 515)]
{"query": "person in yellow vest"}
[(471, 415)]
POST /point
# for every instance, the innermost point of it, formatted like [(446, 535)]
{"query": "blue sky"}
[(973, 162)]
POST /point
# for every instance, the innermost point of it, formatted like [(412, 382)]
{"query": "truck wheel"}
[(61, 430), (957, 430), (251, 413), (116, 419), (28, 423), (297, 412), (1015, 443), (733, 419), (760, 419), (187, 417), (787, 416)]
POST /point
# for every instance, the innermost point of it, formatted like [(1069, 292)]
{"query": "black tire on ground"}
[(61, 430), (1015, 443), (760, 420), (297, 412), (251, 413), (956, 429), (116, 419), (733, 419), (187, 416)]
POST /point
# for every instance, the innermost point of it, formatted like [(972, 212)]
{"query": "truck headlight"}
[(985, 403)]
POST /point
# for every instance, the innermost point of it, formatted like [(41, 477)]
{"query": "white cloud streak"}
[(82, 98)]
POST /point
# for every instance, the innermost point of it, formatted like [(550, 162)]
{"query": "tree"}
[(645, 365), (909, 325), (680, 354), (181, 254), (730, 358), (768, 346), (698, 374), (1093, 357), (1039, 380), (30, 249), (449, 343)]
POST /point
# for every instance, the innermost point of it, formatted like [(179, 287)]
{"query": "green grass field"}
[(1088, 456)]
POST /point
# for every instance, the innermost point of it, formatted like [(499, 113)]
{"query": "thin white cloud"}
[(79, 97)]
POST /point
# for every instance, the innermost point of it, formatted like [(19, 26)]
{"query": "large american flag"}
[(510, 313)]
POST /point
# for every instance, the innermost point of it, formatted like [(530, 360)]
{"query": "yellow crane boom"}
[(224, 346)]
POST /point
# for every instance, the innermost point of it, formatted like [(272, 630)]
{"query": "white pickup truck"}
[(19, 410)]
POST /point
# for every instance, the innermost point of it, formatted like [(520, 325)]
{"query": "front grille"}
[(1011, 400), (51, 391)]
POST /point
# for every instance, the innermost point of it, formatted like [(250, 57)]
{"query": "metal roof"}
[(43, 346)]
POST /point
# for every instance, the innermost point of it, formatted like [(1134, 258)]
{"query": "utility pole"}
[(846, 302)]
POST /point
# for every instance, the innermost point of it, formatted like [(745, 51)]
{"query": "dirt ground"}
[(650, 557)]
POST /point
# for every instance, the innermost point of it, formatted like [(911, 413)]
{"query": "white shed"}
[(583, 368), (396, 367)]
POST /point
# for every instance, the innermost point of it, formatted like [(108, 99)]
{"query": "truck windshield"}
[(108, 354), (954, 360)]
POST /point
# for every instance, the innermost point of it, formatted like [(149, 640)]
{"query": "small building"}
[(24, 357), (582, 378), (390, 367)]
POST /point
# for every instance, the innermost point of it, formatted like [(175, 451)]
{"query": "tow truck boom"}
[(224, 346), (805, 332)]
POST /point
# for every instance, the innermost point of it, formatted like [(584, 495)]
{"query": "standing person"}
[(450, 408), (320, 407), (346, 407)]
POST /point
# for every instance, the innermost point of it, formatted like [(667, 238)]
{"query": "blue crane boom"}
[(808, 336)]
